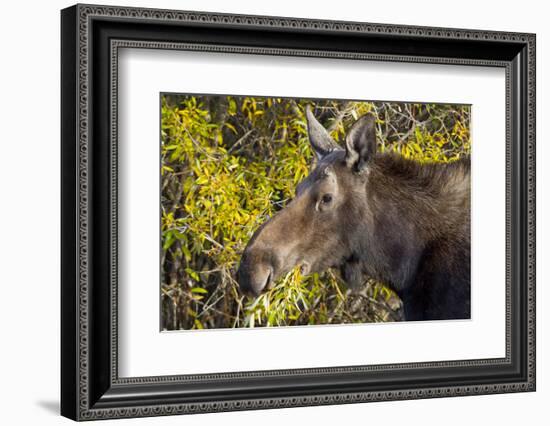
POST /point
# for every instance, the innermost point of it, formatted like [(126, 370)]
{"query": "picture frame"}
[(91, 37)]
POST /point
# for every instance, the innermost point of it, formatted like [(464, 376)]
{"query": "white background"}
[(140, 343), (29, 226)]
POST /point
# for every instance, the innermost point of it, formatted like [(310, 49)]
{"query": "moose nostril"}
[(253, 278), (268, 279)]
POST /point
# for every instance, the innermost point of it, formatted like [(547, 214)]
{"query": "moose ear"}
[(319, 138), (361, 143)]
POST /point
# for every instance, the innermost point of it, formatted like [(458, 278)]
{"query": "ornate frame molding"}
[(78, 23)]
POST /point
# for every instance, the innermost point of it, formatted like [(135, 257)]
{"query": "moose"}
[(372, 215)]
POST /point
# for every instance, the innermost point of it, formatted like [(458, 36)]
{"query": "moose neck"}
[(409, 205), (418, 192)]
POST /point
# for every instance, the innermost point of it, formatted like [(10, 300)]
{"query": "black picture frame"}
[(90, 38)]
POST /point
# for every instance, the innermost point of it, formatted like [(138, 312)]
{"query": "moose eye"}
[(327, 198)]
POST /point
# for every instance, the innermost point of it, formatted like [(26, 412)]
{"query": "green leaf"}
[(232, 109), (192, 274)]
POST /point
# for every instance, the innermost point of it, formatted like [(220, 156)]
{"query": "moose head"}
[(324, 225)]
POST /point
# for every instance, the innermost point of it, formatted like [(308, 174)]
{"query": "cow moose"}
[(370, 214)]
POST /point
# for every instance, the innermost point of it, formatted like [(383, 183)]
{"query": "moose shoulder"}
[(374, 215)]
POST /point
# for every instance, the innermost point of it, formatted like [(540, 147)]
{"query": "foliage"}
[(229, 163)]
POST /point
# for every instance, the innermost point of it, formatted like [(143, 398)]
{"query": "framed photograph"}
[(263, 212)]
